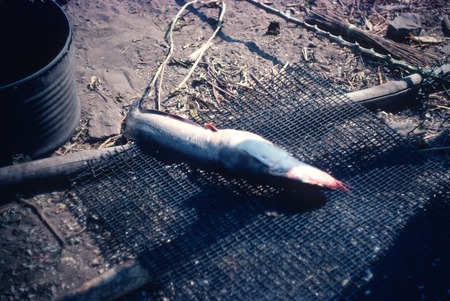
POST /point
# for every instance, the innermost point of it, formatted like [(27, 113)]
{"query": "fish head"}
[(253, 156), (313, 176)]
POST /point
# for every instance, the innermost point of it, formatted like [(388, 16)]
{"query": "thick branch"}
[(389, 96), (50, 171)]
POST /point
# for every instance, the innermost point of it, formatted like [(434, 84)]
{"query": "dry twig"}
[(205, 46), (45, 221), (160, 72)]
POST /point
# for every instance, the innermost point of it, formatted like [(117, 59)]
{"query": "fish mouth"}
[(313, 176)]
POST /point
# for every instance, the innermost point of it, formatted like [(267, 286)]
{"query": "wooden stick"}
[(50, 171), (390, 95), (396, 94), (46, 222)]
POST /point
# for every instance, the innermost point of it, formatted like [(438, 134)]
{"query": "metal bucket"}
[(39, 107)]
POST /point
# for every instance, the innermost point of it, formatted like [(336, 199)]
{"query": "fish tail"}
[(137, 104), (140, 101)]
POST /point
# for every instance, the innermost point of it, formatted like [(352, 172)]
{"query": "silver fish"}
[(240, 153)]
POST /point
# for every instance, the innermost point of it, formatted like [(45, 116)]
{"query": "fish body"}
[(240, 153)]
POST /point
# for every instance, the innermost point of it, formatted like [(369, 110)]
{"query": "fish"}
[(239, 153)]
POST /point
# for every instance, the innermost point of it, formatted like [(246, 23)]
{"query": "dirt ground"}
[(122, 43)]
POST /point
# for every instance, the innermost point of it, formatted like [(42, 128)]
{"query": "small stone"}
[(274, 28), (105, 123), (403, 25), (320, 58), (95, 262)]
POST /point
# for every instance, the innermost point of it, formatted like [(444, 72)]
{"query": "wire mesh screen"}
[(208, 236)]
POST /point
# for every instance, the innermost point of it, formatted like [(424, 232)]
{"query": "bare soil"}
[(122, 43)]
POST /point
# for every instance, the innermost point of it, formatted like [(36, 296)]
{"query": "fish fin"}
[(210, 126), (136, 105)]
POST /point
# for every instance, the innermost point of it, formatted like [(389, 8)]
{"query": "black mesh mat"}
[(205, 236)]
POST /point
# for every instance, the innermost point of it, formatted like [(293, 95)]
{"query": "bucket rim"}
[(62, 52)]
